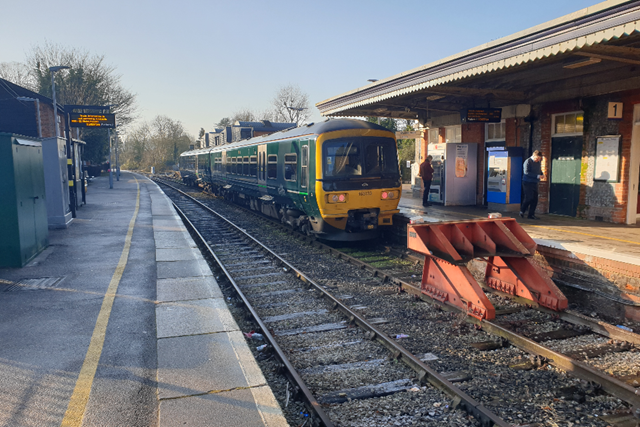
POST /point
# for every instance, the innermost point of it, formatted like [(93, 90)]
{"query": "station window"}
[(253, 170), (245, 165), (272, 166), (453, 133), (569, 123), (434, 136), (495, 131), (291, 167)]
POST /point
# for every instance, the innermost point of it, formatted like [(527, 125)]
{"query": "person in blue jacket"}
[(532, 174)]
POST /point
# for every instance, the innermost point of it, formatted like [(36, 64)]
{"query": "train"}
[(338, 179)]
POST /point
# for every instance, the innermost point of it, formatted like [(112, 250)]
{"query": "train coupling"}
[(362, 219)]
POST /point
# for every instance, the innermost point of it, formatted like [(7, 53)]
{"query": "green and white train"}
[(338, 179)]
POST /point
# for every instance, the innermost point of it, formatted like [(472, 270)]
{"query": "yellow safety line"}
[(80, 396)]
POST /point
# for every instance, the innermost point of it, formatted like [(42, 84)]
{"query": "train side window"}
[(239, 166), (272, 166), (234, 163), (245, 166), (253, 169), (304, 166), (291, 167)]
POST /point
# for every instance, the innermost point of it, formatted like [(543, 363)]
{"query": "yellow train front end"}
[(358, 184)]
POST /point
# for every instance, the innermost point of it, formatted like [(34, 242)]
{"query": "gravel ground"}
[(541, 395)]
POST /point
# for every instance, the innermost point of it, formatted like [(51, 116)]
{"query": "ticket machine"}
[(504, 178)]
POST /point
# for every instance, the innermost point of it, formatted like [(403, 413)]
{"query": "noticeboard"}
[(607, 166), (79, 120), (483, 115)]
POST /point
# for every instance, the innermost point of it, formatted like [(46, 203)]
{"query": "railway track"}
[(524, 385)]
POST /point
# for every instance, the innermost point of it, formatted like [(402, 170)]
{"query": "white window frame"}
[(503, 124), (553, 124), (454, 128)]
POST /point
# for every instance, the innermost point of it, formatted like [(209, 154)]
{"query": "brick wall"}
[(606, 201)]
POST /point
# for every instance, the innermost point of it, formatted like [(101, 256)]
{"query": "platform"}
[(121, 322), (586, 258)]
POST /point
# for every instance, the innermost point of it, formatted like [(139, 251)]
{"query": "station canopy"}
[(590, 52)]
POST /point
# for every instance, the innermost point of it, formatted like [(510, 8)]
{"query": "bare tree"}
[(18, 73), (89, 81), (291, 105), (158, 143), (243, 115)]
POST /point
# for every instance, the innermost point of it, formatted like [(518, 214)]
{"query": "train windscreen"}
[(360, 157)]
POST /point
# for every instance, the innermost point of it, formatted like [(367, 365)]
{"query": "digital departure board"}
[(79, 120), (483, 115)]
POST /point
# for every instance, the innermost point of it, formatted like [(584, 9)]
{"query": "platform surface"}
[(611, 241), (165, 351)]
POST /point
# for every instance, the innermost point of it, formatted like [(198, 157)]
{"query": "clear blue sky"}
[(200, 61)]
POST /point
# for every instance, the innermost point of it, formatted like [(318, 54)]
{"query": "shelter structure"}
[(569, 87)]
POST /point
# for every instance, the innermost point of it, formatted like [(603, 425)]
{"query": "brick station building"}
[(21, 116), (569, 87)]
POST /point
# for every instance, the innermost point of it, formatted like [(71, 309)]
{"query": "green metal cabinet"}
[(23, 209)]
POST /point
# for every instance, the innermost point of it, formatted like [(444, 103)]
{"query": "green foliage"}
[(386, 122)]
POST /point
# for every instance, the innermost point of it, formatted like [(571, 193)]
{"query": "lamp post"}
[(37, 101), (53, 91), (108, 107)]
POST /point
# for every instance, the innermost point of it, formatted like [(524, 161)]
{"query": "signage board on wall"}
[(607, 167), (483, 115), (78, 120)]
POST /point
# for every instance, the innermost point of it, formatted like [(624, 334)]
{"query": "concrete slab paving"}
[(189, 288), (215, 362), (166, 223), (246, 407), (188, 268), (182, 318), (183, 254), (173, 239)]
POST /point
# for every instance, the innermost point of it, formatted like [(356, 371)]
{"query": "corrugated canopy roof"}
[(595, 50)]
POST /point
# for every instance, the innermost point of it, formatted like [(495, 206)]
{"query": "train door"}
[(262, 168), (304, 167), (223, 166)]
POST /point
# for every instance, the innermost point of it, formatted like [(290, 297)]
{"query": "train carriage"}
[(338, 179)]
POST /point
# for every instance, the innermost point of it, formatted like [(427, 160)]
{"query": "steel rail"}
[(291, 372), (425, 373), (581, 370)]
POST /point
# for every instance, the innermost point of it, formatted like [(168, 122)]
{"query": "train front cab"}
[(358, 187)]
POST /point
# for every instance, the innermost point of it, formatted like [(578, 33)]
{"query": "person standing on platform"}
[(532, 174), (426, 172)]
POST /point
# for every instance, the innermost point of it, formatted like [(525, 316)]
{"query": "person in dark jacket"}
[(426, 172), (532, 173)]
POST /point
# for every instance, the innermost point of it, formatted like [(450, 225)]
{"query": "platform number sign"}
[(615, 110)]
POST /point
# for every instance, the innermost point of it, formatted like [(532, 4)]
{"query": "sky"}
[(200, 61)]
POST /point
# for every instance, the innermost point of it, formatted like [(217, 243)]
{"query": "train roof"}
[(328, 125)]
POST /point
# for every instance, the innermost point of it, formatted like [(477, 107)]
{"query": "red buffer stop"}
[(502, 243)]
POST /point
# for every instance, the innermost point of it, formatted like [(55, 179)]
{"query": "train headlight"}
[(336, 198), (388, 195)]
